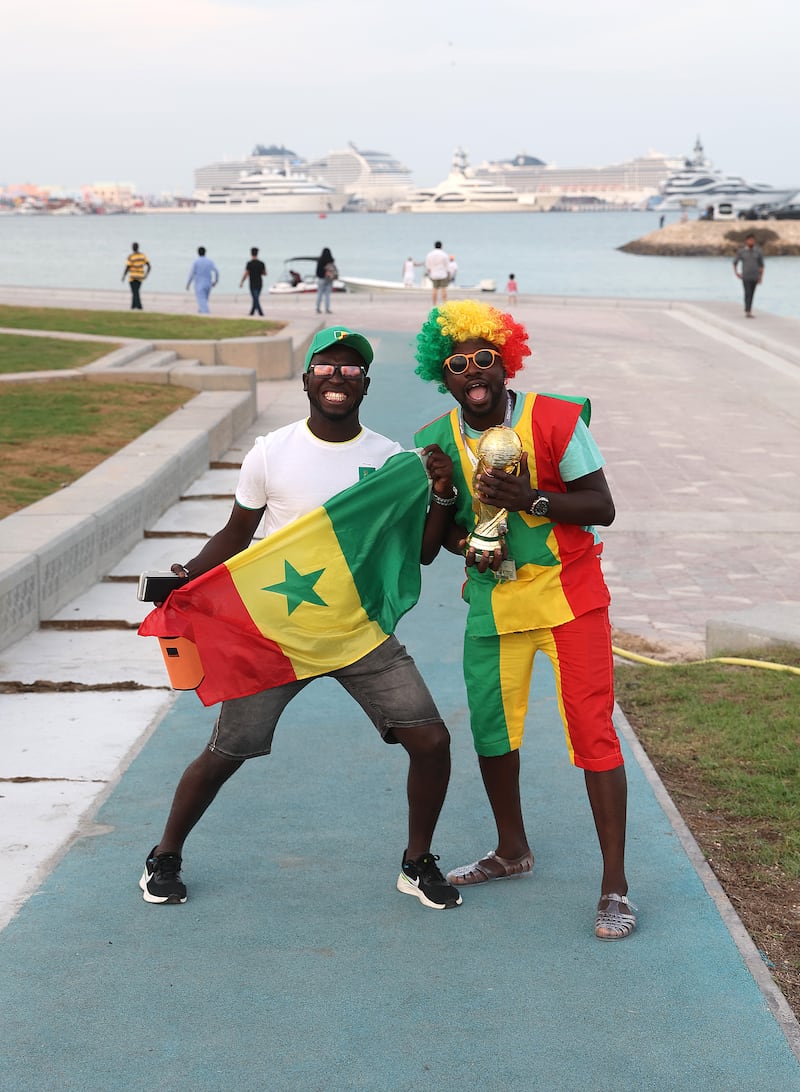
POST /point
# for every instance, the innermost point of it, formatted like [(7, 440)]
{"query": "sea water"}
[(551, 254)]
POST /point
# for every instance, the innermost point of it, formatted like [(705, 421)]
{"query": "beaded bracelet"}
[(445, 502)]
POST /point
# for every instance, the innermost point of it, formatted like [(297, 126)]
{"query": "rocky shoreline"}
[(719, 238)]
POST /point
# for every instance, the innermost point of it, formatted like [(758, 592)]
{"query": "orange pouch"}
[(183, 662)]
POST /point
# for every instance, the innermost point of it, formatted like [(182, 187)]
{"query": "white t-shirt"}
[(292, 471), (437, 265)]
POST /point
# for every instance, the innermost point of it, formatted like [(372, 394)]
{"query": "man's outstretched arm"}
[(235, 536)]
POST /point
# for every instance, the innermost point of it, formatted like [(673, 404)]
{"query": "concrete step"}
[(766, 626)]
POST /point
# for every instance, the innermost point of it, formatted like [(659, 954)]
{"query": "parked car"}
[(788, 211), (757, 212)]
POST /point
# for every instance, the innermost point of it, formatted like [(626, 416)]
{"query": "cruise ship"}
[(618, 185), (371, 179), (462, 191), (223, 172), (699, 184), (271, 191)]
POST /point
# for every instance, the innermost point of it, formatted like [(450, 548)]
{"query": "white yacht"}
[(699, 184), (271, 191), (461, 191)]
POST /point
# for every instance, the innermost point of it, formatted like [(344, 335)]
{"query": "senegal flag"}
[(314, 596)]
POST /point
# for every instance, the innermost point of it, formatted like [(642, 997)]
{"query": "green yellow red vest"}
[(558, 565)]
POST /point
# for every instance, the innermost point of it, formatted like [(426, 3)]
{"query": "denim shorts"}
[(386, 684)]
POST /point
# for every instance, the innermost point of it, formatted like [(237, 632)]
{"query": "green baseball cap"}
[(335, 335)]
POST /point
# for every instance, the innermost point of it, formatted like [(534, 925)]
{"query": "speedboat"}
[(297, 282), (700, 185)]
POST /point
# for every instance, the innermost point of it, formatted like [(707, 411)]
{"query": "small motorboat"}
[(368, 284), (300, 276)]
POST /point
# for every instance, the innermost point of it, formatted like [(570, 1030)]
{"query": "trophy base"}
[(484, 543)]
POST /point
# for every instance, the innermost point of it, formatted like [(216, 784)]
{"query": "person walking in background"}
[(751, 258), (437, 268), (205, 276), (136, 269), (541, 590), (326, 275), (511, 288), (452, 269), (408, 272), (256, 271)]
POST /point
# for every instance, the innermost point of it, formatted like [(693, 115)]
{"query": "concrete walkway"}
[(295, 964)]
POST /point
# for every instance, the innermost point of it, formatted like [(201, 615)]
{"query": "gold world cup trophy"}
[(499, 448)]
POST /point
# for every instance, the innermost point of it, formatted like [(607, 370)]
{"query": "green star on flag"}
[(298, 587), (357, 556)]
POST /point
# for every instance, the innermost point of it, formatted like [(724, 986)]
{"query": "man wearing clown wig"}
[(541, 590)]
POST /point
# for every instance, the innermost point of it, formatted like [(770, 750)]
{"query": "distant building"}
[(116, 195), (18, 190)]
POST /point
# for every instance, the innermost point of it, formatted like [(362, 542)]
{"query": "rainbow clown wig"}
[(463, 320)]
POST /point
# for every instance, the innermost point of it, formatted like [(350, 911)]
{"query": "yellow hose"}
[(636, 658)]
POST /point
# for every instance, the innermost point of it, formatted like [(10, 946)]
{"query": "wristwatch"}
[(540, 506)]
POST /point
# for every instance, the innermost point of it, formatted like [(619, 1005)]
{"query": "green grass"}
[(147, 325), (728, 738), (19, 353), (52, 433), (35, 411)]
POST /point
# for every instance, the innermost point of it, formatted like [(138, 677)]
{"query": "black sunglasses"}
[(483, 358), (346, 371)]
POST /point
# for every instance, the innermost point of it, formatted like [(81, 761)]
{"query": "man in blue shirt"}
[(205, 276)]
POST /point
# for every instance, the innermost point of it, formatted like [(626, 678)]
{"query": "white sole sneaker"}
[(407, 886)]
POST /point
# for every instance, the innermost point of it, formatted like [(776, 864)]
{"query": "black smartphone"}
[(155, 587)]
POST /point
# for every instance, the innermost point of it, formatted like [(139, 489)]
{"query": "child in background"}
[(511, 288)]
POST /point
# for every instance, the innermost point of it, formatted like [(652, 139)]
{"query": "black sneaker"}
[(423, 880), (161, 879)]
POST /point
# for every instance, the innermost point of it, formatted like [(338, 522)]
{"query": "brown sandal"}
[(491, 867)]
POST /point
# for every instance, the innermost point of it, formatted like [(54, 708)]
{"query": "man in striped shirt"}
[(136, 269)]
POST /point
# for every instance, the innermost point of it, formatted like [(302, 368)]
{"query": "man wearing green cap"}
[(286, 474)]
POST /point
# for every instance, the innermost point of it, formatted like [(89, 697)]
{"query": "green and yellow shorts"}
[(498, 670)]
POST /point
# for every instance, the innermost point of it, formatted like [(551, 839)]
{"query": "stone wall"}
[(57, 548), (719, 238)]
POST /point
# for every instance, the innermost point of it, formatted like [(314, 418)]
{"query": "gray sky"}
[(147, 91)]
